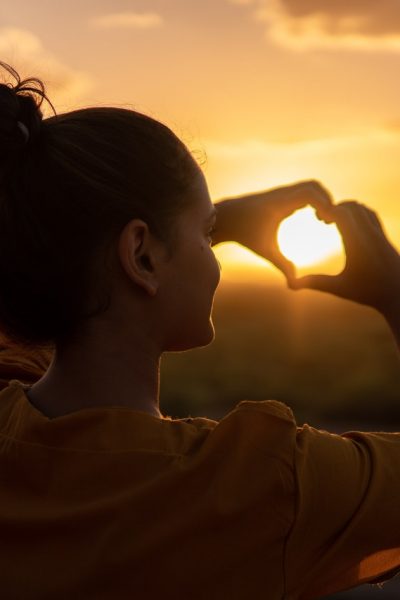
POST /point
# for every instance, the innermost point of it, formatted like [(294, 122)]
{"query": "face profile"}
[(192, 275)]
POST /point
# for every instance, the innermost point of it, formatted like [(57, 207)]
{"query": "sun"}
[(306, 241)]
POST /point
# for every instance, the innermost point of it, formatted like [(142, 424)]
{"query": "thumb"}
[(283, 264), (323, 283)]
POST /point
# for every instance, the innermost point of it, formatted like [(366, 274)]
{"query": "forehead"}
[(201, 197)]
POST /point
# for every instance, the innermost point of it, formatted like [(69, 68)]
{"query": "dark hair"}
[(68, 185)]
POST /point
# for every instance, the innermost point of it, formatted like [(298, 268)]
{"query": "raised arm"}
[(372, 272)]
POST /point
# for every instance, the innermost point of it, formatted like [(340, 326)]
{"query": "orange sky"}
[(269, 91)]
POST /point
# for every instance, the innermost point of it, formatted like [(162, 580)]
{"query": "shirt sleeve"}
[(346, 529)]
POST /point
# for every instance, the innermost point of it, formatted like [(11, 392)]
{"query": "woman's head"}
[(69, 185)]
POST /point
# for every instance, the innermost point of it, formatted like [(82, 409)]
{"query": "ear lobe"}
[(136, 251)]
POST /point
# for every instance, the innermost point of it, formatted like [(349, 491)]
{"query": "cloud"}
[(305, 24), (25, 52), (127, 20), (367, 17)]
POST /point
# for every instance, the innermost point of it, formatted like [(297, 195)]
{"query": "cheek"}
[(209, 265), (217, 271), (214, 267), (189, 313)]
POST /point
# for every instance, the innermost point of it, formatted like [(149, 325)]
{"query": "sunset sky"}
[(265, 91)]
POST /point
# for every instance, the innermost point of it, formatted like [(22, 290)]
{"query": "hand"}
[(253, 220), (372, 272)]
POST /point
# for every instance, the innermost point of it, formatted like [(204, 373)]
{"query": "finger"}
[(374, 237), (368, 229), (361, 212), (283, 264), (350, 219), (306, 192), (322, 283), (296, 196), (326, 215), (375, 220)]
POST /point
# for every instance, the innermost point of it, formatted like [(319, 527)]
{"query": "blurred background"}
[(264, 93)]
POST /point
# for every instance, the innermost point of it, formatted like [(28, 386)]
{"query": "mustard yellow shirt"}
[(114, 504)]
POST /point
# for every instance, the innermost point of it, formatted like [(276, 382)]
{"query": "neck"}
[(95, 374)]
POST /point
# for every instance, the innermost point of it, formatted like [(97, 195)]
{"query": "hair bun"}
[(20, 113)]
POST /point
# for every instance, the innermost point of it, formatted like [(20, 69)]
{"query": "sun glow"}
[(306, 241)]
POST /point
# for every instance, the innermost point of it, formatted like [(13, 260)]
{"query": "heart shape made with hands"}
[(312, 245)]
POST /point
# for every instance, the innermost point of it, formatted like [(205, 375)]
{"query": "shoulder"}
[(254, 439), (265, 420), (247, 459), (268, 408), (249, 419)]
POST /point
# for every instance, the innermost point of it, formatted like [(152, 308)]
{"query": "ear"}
[(139, 253)]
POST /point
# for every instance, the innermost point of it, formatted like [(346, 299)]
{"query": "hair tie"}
[(24, 130)]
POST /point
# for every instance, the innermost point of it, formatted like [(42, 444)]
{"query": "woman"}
[(106, 262)]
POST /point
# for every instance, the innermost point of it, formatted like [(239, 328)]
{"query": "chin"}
[(195, 340), (207, 338)]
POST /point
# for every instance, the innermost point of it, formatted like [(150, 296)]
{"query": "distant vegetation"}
[(332, 361)]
